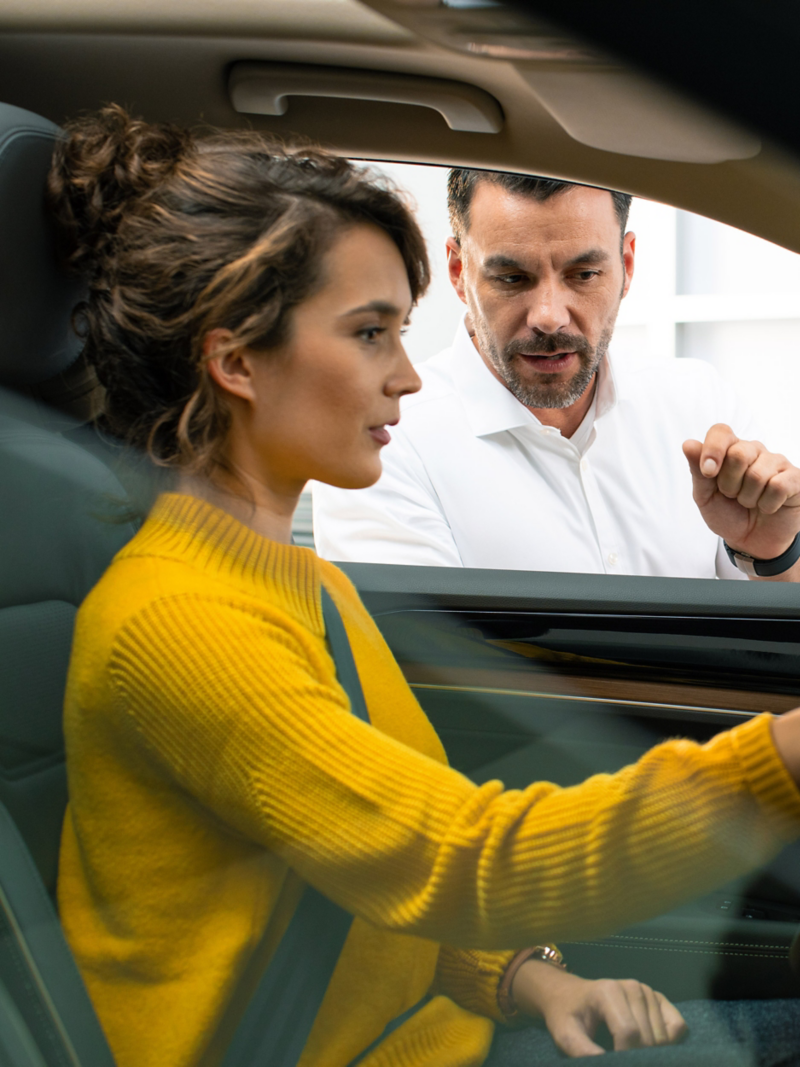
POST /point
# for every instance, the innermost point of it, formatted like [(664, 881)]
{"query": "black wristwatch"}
[(765, 568)]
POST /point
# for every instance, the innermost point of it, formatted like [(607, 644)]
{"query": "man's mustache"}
[(548, 344)]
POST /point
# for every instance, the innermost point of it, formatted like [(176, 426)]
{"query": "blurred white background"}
[(434, 322)]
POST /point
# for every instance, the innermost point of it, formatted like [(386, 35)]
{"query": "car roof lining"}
[(326, 20), (51, 65)]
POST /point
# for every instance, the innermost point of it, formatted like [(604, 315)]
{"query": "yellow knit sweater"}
[(214, 766)]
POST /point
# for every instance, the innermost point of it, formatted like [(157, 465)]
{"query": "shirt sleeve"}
[(397, 520), (245, 715)]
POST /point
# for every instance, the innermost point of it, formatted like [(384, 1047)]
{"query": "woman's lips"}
[(549, 364), (380, 434)]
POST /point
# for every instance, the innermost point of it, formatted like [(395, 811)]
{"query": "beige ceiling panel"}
[(184, 79), (315, 19), (617, 111)]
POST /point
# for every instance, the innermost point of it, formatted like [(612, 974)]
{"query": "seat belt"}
[(278, 1019), (46, 1017)]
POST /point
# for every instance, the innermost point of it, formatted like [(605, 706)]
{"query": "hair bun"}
[(103, 163)]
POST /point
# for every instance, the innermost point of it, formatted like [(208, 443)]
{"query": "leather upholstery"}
[(59, 527), (63, 521), (36, 296)]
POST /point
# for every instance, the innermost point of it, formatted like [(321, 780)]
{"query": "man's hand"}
[(748, 496), (573, 1008)]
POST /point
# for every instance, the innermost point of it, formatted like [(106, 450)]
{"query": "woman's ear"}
[(230, 368)]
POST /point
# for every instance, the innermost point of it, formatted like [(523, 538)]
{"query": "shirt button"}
[(613, 558), (584, 465)]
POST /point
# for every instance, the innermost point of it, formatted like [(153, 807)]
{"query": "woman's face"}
[(321, 404)]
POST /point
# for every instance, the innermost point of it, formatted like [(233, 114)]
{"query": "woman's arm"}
[(246, 715)]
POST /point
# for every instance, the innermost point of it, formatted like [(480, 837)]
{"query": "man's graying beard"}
[(545, 393)]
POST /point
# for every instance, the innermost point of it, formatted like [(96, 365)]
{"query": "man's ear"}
[(230, 369), (455, 267), (628, 257)]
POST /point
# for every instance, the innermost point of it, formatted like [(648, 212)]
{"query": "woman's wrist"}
[(545, 955), (535, 983)]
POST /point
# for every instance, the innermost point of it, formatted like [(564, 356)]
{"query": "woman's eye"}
[(370, 334)]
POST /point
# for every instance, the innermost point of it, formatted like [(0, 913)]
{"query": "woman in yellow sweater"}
[(245, 315)]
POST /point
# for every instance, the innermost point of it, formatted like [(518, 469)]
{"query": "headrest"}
[(37, 297)]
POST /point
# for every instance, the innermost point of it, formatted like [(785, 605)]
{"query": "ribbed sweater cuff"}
[(770, 782), (471, 978)]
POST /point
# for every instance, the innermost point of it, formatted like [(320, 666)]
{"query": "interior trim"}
[(388, 588), (603, 690), (263, 88), (650, 705)]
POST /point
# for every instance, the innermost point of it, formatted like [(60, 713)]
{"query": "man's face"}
[(542, 283)]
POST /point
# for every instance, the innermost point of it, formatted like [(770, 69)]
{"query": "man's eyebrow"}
[(380, 307), (499, 260), (592, 258)]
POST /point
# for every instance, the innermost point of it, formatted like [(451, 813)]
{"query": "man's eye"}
[(586, 275), (510, 279)]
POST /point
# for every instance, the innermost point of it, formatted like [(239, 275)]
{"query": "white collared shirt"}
[(473, 479)]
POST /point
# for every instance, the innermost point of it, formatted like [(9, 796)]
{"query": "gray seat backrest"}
[(59, 504), (61, 527), (36, 296)]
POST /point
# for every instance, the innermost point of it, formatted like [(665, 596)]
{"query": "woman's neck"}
[(265, 510)]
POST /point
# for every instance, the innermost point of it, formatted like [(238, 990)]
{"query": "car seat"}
[(63, 519), (60, 502), (65, 515)]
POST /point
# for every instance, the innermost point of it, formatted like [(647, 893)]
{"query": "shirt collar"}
[(490, 407)]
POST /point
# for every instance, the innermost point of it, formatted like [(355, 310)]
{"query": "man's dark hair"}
[(462, 183)]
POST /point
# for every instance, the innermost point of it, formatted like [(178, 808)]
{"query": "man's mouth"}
[(558, 361)]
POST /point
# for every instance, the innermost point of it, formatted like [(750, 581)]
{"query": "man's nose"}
[(548, 311)]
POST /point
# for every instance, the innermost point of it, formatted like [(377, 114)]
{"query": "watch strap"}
[(765, 568)]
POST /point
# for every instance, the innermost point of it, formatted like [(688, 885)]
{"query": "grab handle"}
[(262, 89)]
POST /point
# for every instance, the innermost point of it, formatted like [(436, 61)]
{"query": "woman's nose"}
[(405, 380)]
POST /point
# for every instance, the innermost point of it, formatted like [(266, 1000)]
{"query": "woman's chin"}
[(361, 477)]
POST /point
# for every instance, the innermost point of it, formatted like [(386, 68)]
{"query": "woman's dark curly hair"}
[(178, 234)]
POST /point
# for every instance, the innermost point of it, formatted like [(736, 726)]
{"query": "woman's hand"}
[(573, 1008)]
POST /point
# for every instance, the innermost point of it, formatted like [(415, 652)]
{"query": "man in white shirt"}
[(527, 449)]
